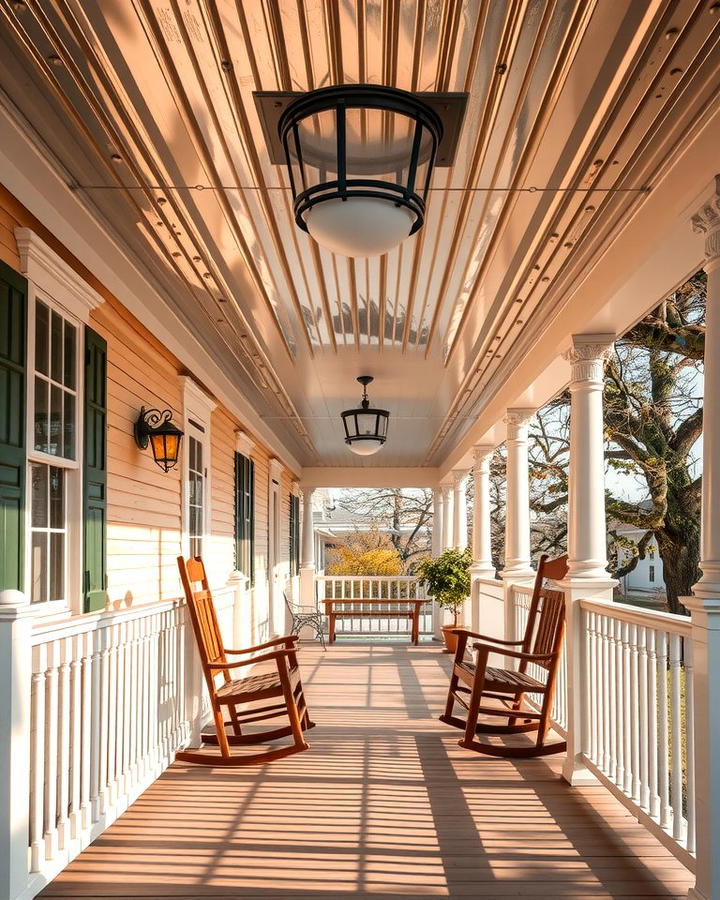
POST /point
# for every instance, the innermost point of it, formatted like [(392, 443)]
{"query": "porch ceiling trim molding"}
[(366, 477), (48, 272)]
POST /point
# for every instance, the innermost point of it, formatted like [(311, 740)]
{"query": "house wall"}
[(144, 516)]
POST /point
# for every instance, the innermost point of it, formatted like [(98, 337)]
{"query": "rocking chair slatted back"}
[(541, 629), (549, 632), (204, 617)]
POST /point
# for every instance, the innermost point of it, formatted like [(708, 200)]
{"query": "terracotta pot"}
[(450, 638)]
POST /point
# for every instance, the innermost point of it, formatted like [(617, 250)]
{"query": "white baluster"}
[(644, 796), (614, 704), (663, 726), (51, 752), (607, 693), (87, 719), (37, 765), (76, 735), (653, 726), (634, 719), (622, 703), (677, 798), (64, 714), (594, 680), (690, 744)]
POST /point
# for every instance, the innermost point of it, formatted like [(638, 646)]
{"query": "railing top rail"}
[(523, 589), (51, 630), (662, 621), (389, 578)]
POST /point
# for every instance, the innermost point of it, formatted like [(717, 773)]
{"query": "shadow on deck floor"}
[(383, 805)]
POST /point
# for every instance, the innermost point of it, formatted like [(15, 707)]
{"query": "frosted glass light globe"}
[(365, 448), (359, 226)]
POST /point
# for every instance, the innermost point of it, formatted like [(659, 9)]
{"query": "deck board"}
[(384, 805)]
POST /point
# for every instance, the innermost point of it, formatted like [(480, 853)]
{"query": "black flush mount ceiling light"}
[(365, 428), (360, 158), (157, 429)]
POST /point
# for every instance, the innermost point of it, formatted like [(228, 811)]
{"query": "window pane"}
[(56, 343), (42, 327), (193, 453), (69, 427), (57, 566), (69, 364), (38, 555), (57, 498), (39, 516), (41, 414), (56, 423)]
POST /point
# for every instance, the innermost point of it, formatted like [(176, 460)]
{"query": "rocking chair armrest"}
[(517, 654), (264, 657), (289, 639), (486, 638)]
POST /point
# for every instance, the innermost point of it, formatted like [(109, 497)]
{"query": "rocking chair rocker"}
[(540, 647), (283, 683)]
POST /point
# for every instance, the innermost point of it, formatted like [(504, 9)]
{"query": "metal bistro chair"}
[(305, 615)]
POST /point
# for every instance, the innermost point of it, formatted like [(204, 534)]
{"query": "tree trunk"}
[(680, 555)]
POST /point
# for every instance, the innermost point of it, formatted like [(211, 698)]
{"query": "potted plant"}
[(447, 580)]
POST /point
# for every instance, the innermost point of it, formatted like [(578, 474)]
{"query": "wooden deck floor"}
[(384, 804)]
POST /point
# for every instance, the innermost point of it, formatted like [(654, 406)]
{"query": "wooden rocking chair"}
[(284, 682), (540, 646)]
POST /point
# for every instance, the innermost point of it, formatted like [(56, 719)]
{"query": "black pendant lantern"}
[(156, 428), (365, 428), (360, 159)]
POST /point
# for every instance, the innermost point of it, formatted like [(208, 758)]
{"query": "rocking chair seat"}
[(253, 687), (508, 681)]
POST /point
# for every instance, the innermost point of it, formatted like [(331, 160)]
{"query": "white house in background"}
[(333, 522), (648, 573)]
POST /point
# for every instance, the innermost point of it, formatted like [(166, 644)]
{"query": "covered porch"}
[(156, 272), (385, 805)]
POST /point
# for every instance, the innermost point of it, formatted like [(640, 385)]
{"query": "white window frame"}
[(197, 407), (53, 282)]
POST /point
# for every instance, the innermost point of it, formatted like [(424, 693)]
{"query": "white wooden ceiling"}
[(574, 107)]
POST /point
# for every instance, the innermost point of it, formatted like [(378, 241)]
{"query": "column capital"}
[(706, 220), (482, 453), (516, 420), (458, 476), (587, 355)]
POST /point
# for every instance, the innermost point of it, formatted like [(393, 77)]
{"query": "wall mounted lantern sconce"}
[(156, 428)]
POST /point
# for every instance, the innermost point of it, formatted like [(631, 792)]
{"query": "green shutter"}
[(245, 516), (95, 473), (13, 343), (294, 535)]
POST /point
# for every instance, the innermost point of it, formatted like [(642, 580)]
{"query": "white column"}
[(704, 605), (460, 531), (307, 555), (447, 516), (482, 566), (587, 576), (15, 719), (517, 512), (437, 528)]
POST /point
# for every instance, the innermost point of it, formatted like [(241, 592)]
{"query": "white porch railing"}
[(521, 596), (110, 698), (638, 716), (638, 729), (394, 588)]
